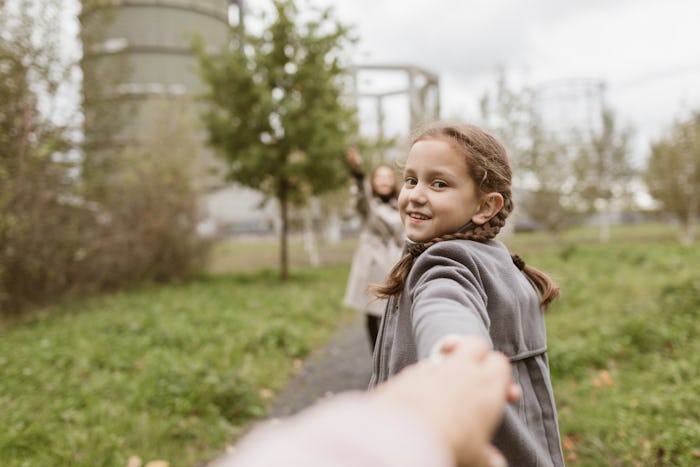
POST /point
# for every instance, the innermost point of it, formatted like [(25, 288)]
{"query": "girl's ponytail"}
[(394, 282), (548, 289)]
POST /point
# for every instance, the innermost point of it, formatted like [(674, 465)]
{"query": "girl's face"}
[(438, 196), (384, 181)]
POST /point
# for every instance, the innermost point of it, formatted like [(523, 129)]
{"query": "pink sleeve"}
[(348, 430)]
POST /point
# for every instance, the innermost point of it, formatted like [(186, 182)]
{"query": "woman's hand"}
[(354, 159)]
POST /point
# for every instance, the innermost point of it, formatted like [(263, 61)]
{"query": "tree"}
[(545, 167), (673, 173), (603, 168), (148, 206), (276, 109), (541, 160), (39, 228)]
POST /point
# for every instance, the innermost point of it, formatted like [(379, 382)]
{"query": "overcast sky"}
[(647, 52)]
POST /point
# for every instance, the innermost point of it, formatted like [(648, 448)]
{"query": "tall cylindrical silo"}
[(138, 61)]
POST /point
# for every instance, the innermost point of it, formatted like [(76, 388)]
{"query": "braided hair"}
[(488, 165)]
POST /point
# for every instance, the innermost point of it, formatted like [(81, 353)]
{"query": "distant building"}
[(137, 54)]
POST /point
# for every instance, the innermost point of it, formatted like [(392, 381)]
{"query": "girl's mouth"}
[(418, 216)]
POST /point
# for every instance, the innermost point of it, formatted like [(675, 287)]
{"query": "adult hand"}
[(352, 155), (461, 395)]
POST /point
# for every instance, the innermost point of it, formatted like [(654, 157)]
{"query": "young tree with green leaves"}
[(276, 109), (673, 174)]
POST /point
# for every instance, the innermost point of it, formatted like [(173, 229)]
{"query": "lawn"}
[(624, 351), (177, 372), (170, 372)]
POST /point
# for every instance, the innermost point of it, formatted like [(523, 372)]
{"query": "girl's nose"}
[(417, 195)]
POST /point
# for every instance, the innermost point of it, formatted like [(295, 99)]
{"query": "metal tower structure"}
[(571, 103), (378, 83)]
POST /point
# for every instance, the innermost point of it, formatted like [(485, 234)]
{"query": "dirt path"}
[(343, 364)]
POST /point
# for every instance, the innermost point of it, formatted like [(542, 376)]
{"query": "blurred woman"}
[(380, 241)]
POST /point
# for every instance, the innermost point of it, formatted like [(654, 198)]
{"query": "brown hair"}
[(488, 165)]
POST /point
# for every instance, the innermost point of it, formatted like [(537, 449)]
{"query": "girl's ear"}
[(489, 206)]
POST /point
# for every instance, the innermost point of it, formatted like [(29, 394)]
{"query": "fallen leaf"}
[(606, 378), (569, 443)]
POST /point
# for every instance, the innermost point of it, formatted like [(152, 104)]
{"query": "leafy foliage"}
[(603, 169), (276, 108), (36, 182), (75, 221), (541, 159), (673, 173), (560, 175)]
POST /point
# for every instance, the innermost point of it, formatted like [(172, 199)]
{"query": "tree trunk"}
[(284, 215), (604, 221), (690, 222), (310, 238)]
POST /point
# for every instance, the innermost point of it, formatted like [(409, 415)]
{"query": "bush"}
[(147, 217), (135, 222), (73, 222)]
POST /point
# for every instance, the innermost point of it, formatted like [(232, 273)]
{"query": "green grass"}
[(624, 349), (177, 372), (170, 372), (254, 253)]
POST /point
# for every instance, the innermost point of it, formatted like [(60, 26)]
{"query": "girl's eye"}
[(439, 184), (410, 181)]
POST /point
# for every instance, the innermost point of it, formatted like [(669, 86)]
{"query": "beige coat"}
[(379, 248)]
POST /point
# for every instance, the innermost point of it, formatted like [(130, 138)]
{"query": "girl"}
[(381, 238), (455, 279)]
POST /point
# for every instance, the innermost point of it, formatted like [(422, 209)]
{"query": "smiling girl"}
[(457, 280)]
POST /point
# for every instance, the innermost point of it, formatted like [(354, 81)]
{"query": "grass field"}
[(171, 372), (624, 352), (176, 372)]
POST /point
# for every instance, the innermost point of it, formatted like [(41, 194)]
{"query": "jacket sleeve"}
[(447, 297), (349, 430), (363, 194)]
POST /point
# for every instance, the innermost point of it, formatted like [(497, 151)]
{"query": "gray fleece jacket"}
[(472, 288)]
